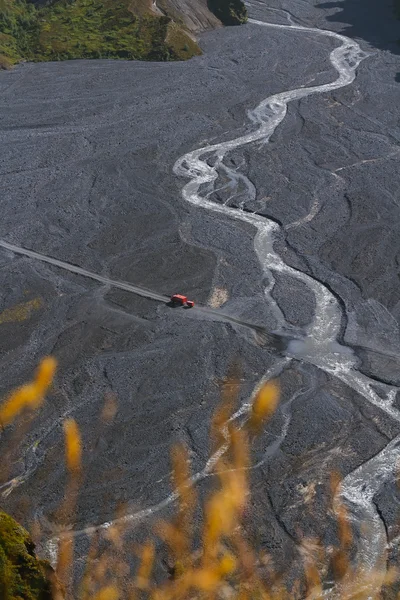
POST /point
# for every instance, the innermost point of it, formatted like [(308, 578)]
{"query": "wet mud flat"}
[(88, 150)]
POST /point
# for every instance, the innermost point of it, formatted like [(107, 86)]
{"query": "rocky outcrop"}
[(194, 14)]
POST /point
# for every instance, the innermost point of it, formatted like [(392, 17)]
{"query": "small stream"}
[(320, 346)]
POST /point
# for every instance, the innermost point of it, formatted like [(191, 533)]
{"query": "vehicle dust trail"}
[(320, 347), (122, 285), (217, 315)]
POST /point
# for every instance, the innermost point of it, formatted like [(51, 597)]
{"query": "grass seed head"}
[(31, 395), (108, 593), (45, 374), (73, 445), (264, 406)]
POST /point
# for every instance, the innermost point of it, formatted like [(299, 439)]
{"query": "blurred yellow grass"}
[(31, 395), (73, 445), (264, 405), (217, 562), (20, 312)]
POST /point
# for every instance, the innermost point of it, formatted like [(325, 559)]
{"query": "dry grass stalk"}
[(30, 396), (73, 447), (264, 406), (24, 402), (225, 566), (340, 559), (147, 555), (73, 458), (108, 593), (229, 395)]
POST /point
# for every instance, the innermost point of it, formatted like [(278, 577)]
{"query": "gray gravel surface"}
[(87, 155)]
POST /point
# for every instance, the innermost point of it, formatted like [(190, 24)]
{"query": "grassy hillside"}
[(88, 29), (126, 29)]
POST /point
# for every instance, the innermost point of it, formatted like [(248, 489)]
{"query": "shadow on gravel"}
[(371, 20)]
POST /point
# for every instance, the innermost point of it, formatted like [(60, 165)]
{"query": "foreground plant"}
[(22, 574), (216, 562), (30, 396)]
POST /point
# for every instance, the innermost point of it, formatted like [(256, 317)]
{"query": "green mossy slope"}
[(87, 29), (22, 575), (125, 29), (93, 29), (18, 21)]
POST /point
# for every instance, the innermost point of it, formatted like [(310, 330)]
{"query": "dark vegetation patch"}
[(229, 12)]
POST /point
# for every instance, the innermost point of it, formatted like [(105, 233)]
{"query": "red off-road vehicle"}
[(179, 300)]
